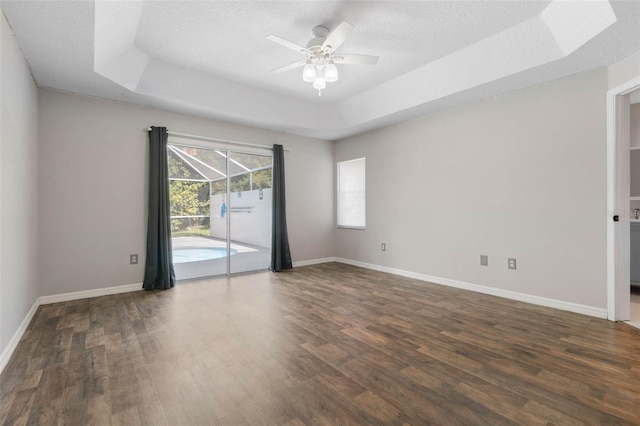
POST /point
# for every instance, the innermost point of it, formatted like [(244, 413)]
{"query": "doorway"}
[(220, 210), (621, 148), (634, 174)]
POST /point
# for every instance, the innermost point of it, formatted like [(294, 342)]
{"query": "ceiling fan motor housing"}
[(320, 34)]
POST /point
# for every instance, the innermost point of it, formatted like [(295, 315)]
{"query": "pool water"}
[(184, 255)]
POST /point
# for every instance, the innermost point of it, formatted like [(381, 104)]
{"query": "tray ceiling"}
[(213, 58)]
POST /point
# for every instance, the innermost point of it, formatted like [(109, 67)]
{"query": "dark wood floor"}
[(327, 344)]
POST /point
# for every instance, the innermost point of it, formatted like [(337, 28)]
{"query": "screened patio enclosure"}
[(220, 210)]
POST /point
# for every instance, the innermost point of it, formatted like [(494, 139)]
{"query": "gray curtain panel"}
[(158, 269), (280, 253)]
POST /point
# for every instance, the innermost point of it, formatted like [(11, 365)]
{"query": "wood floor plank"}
[(321, 345)]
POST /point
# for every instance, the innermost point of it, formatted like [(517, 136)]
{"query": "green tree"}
[(188, 198), (262, 179), (240, 183)]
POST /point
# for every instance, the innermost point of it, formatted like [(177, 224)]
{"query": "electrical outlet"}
[(383, 247), (512, 263), (484, 260), (133, 259)]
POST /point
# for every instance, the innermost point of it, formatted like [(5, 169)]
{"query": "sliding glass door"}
[(250, 212), (220, 211)]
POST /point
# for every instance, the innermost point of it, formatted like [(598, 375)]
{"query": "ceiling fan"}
[(320, 64)]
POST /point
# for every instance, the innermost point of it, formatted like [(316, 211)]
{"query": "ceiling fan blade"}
[(289, 67), (337, 36), (289, 44), (355, 59)]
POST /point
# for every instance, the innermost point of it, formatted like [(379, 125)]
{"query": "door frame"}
[(618, 250), (214, 145)]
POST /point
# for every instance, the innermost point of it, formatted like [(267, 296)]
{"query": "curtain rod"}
[(205, 138)]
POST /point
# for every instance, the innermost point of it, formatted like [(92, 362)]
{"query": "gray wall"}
[(635, 124), (624, 70), (93, 156), (18, 188), (523, 176), (635, 154), (635, 173)]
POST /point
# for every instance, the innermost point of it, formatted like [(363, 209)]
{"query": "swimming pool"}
[(184, 255)]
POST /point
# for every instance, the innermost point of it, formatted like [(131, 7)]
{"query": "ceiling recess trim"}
[(559, 30)]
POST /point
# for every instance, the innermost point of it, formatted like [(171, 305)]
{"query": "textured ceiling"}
[(212, 58), (216, 43)]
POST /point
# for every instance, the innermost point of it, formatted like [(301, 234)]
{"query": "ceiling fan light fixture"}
[(331, 73), (319, 65), (319, 83), (309, 73)]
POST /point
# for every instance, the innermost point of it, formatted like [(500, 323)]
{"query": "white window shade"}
[(351, 194)]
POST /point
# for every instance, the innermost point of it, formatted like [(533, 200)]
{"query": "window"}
[(351, 194)]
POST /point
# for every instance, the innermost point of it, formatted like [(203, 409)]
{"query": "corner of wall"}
[(624, 70), (19, 281)]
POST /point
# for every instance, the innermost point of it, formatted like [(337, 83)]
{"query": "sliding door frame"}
[(227, 197), (227, 150)]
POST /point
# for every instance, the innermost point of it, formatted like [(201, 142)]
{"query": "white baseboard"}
[(84, 294), (522, 297), (314, 261), (65, 297), (15, 339), (633, 324)]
